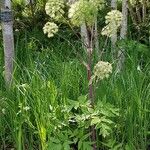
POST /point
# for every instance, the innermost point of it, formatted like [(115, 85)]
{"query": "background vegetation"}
[(46, 106)]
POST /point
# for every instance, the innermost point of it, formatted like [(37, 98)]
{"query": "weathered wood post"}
[(8, 39)]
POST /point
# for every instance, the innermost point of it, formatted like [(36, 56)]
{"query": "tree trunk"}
[(138, 14), (144, 11), (84, 36), (96, 38), (132, 14), (114, 36), (8, 40), (123, 34)]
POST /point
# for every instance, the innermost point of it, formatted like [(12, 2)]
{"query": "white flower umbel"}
[(114, 16), (101, 70), (54, 8), (82, 11), (133, 2), (98, 3), (113, 21), (50, 29)]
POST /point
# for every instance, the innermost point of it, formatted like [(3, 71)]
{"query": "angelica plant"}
[(50, 29), (113, 21), (84, 12), (101, 71), (55, 9)]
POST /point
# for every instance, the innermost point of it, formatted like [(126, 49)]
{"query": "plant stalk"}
[(91, 96)]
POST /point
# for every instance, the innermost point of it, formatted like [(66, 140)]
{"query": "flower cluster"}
[(136, 2), (133, 2), (54, 8), (113, 21), (50, 28), (114, 16), (98, 3), (82, 11), (26, 12), (101, 70)]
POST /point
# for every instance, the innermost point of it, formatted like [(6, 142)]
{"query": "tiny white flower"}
[(138, 68), (4, 111), (50, 107), (26, 108), (19, 112), (16, 30), (20, 105)]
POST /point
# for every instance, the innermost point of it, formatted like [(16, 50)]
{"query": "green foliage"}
[(137, 54), (48, 107)]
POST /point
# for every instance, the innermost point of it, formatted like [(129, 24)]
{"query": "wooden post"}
[(8, 39)]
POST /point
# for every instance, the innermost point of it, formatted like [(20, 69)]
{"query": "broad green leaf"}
[(95, 120), (117, 147), (85, 136), (58, 147), (80, 145), (106, 120), (82, 99), (87, 146), (54, 140), (66, 146)]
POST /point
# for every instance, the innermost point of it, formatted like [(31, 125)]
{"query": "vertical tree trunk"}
[(132, 14), (144, 11), (123, 34), (114, 37), (8, 40), (84, 36), (137, 8), (96, 37), (32, 10)]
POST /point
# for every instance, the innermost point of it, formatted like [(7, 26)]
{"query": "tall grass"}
[(46, 77)]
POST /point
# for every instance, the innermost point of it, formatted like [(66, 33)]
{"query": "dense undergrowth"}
[(47, 107)]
